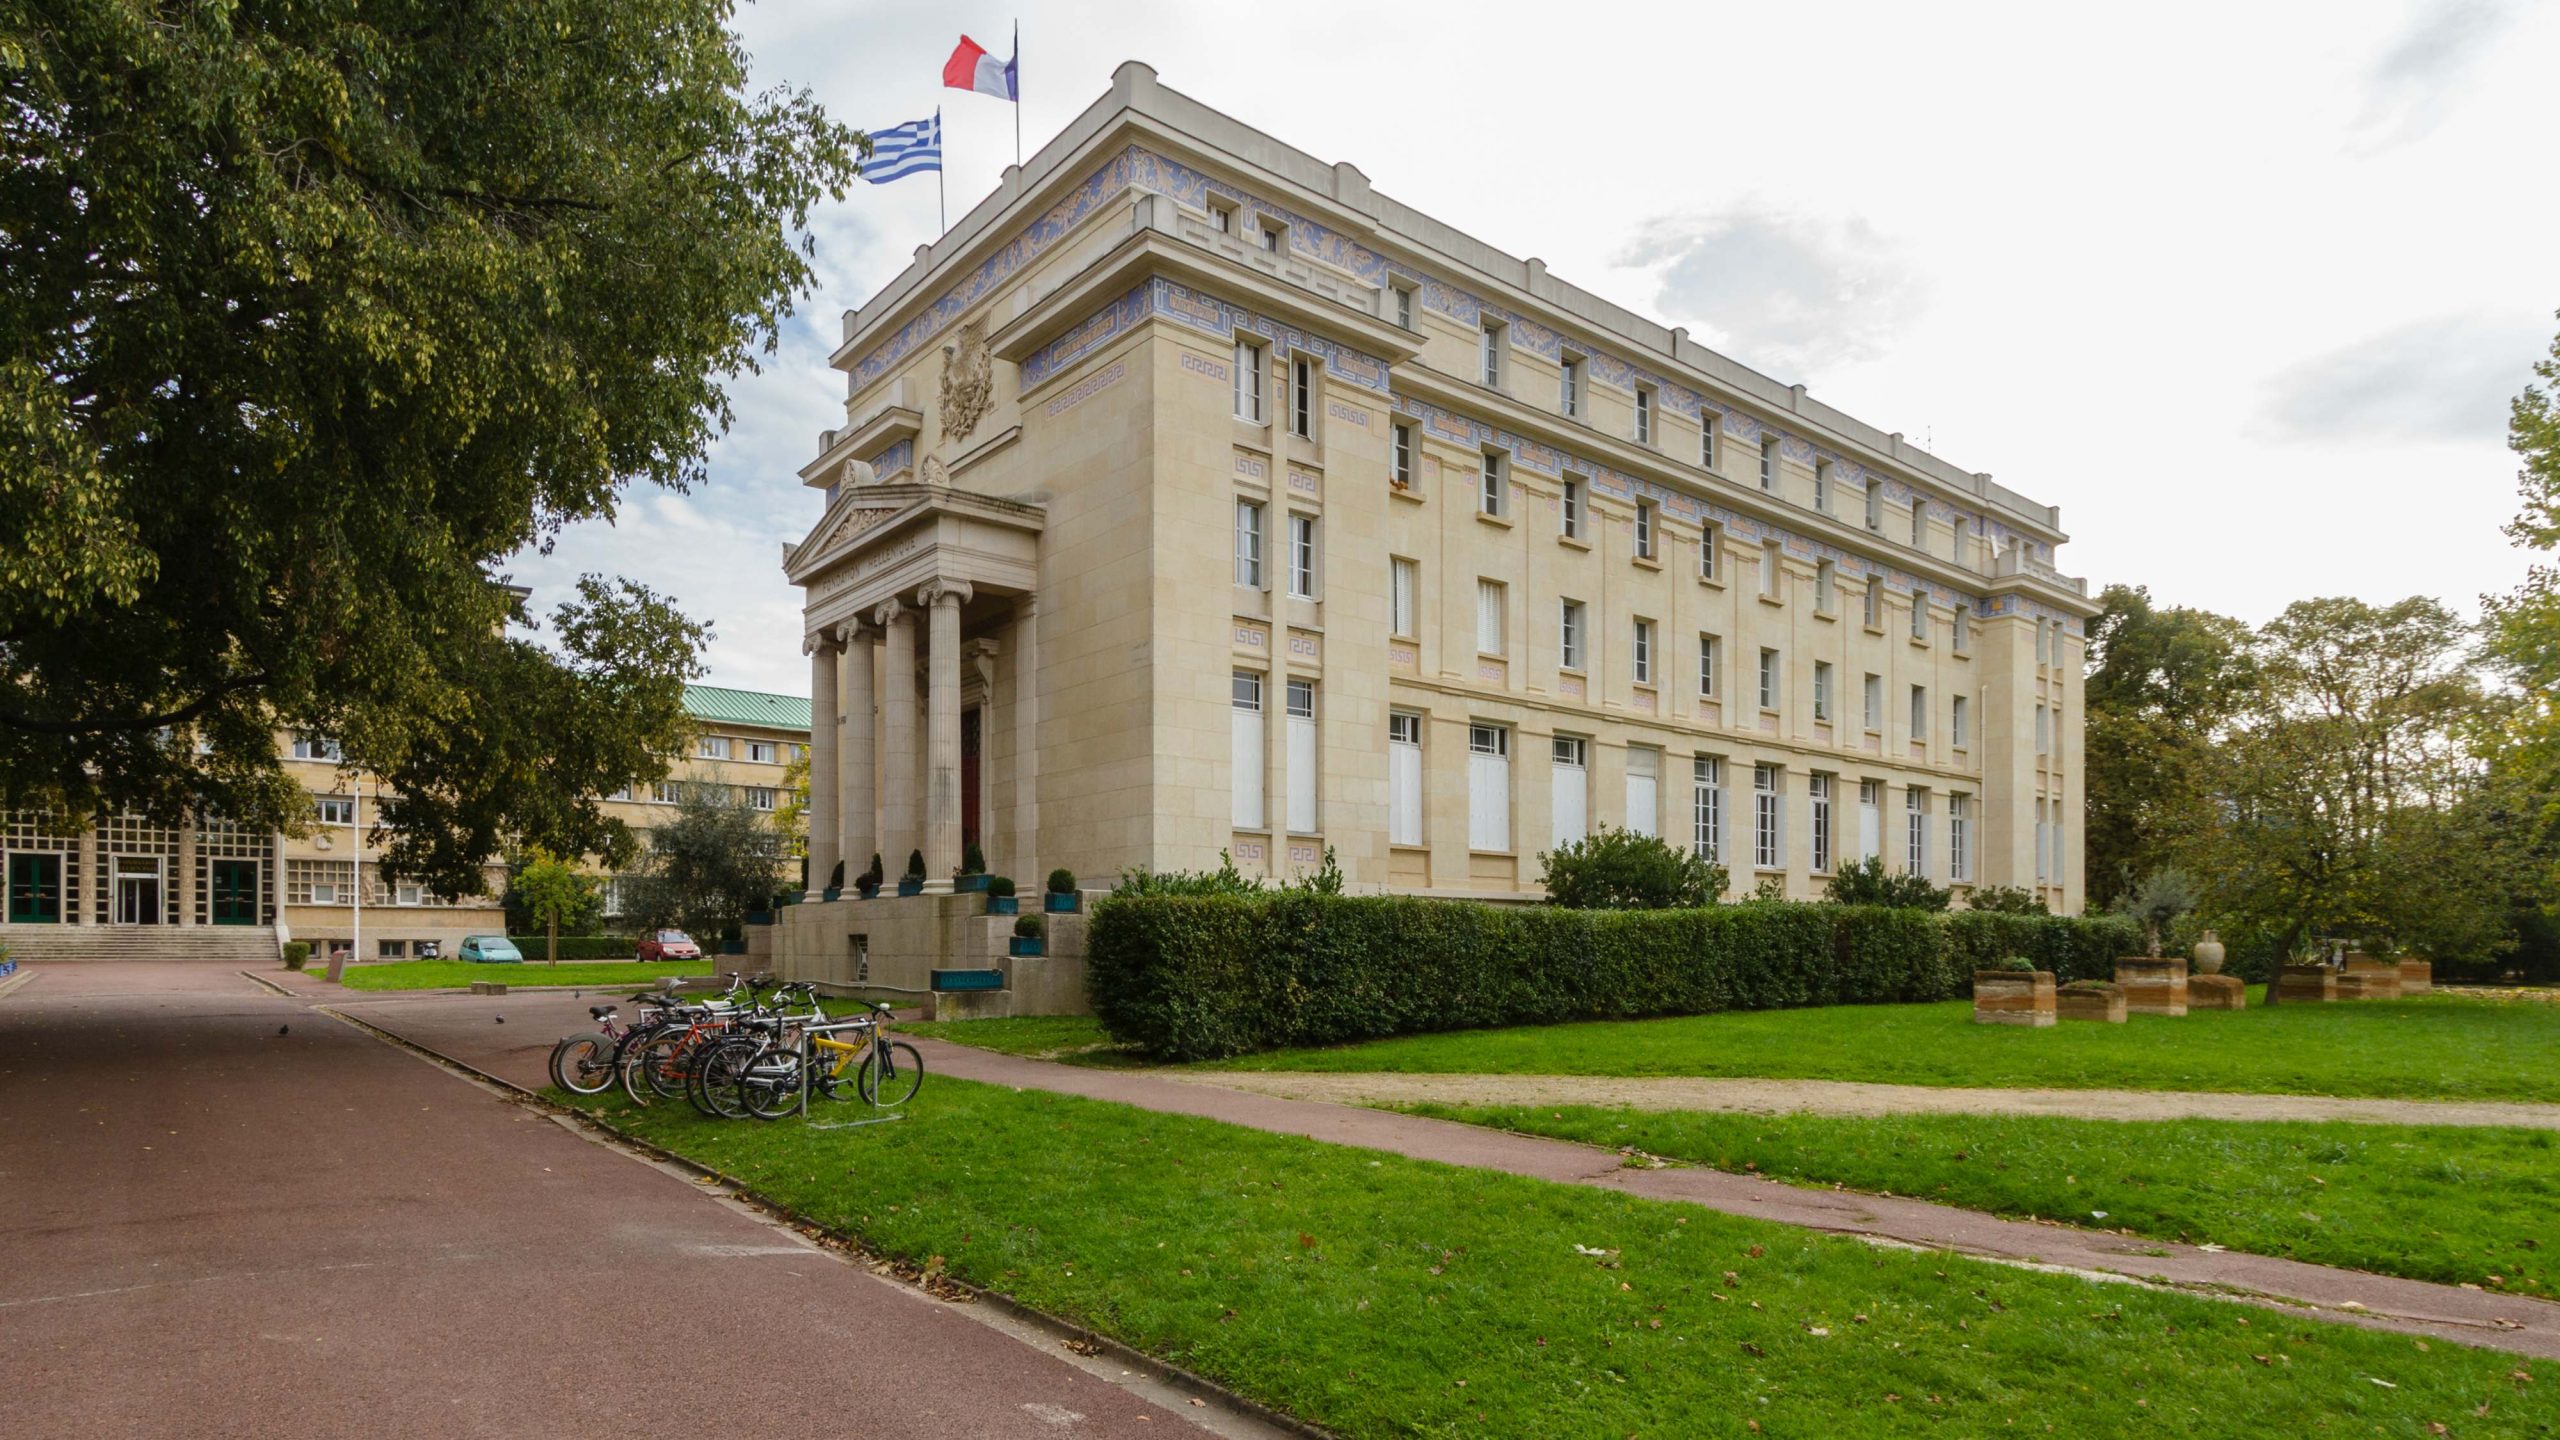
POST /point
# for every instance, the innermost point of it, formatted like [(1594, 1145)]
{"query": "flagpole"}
[(1017, 93), (941, 211)]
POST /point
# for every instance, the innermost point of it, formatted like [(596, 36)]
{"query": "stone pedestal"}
[(2370, 984), (2217, 992), (2013, 997), (2306, 982), (2103, 1002), (2417, 977), (2153, 987)]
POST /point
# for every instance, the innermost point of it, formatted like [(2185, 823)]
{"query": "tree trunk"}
[(552, 939)]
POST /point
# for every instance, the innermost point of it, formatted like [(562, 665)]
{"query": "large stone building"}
[(1195, 497)]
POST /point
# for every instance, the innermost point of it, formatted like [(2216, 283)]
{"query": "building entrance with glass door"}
[(234, 892), (137, 890), (35, 889)]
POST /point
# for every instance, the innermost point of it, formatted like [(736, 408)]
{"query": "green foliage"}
[(553, 896), (2164, 897), (297, 953), (1000, 885), (1062, 881), (582, 947), (873, 876), (1225, 880), (706, 868), (1867, 882), (1615, 869), (1326, 879), (1030, 927), (973, 861), (313, 315), (1193, 977), (1772, 890), (791, 816), (2019, 963), (2163, 685), (915, 864), (2006, 900), (835, 877)]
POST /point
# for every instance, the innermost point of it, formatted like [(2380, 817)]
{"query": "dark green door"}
[(35, 889), (235, 892)]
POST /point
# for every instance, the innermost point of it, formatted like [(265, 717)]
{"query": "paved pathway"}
[(228, 1215), (1847, 1097)]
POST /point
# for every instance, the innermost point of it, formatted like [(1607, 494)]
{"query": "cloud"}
[(1782, 293), (2445, 379), (2416, 84)]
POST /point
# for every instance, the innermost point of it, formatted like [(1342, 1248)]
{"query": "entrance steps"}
[(234, 945)]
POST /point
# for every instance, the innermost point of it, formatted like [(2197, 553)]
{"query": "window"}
[(1873, 709), (1644, 414), (1404, 305), (1826, 580), (1404, 584), (1915, 813), (1818, 787), (1248, 382), (1302, 557), (761, 752), (1822, 691), (1570, 621), (1769, 464), (2042, 842), (1571, 508), (666, 792), (2043, 738), (1919, 524), (1400, 456), (1488, 787), (1646, 529), (797, 752), (1874, 611), (712, 747), (1870, 819), (1572, 788), (1246, 757), (1822, 486), (1249, 544), (336, 810), (1495, 345), (2059, 854), (1706, 808), (1959, 724), (1222, 217), (1710, 539), (1494, 495), (762, 797), (1875, 504), (391, 949), (1302, 398), (1919, 614), (1490, 598), (1273, 234), (312, 747), (1959, 837), (1644, 790), (1644, 652), (1960, 623), (1768, 679), (1706, 666), (1919, 712), (324, 892), (1708, 420), (1302, 757), (2044, 644), (1767, 848), (1569, 398), (1404, 778)]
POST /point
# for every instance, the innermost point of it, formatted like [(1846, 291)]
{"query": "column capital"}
[(889, 612), (846, 633), (957, 592)]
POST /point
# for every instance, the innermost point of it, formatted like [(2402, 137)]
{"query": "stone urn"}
[(2209, 954)]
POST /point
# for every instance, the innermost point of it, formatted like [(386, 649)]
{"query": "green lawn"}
[(1074, 1039), (455, 974), (2452, 1205), (1376, 1295)]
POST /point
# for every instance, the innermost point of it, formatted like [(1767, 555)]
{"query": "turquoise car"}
[(490, 950)]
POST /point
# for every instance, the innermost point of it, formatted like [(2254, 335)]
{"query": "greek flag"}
[(904, 150)]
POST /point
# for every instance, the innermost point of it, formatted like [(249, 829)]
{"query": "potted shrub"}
[(971, 877), (1027, 936), (2012, 991), (297, 953), (1000, 896), (1062, 898), (912, 883), (835, 882), (867, 884)]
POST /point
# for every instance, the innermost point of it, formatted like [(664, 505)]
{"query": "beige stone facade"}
[(746, 743), (1193, 496)]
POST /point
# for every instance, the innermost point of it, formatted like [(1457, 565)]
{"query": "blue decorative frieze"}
[(901, 456), (2020, 605), (1086, 336), (1193, 309)]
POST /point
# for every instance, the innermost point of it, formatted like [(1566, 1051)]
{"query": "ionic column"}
[(942, 734), (823, 829), (1025, 708), (858, 760), (899, 831)]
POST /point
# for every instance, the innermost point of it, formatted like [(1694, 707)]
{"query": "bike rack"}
[(807, 1073)]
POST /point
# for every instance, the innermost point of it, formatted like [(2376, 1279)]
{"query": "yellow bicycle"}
[(885, 1073)]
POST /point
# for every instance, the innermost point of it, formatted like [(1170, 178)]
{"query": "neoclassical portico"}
[(920, 583)]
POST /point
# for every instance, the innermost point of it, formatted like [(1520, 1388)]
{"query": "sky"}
[(2245, 289)]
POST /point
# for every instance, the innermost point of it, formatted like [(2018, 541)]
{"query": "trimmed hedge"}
[(578, 947), (1195, 978)]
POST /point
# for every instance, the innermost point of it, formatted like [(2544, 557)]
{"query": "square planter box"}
[(835, 892), (948, 980), (2105, 1004), (2417, 977), (759, 917), (1028, 945), (969, 884), (2306, 982), (2013, 997), (1057, 904), (1004, 904), (2370, 984), (2153, 987), (911, 887), (794, 897), (2217, 992)]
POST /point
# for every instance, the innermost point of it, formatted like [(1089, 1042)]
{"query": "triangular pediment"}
[(855, 514)]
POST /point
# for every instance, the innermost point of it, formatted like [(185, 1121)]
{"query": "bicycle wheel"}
[(712, 1083), (769, 1086), (583, 1064), (657, 1069), (895, 1082)]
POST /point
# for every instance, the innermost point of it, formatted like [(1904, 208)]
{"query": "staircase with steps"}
[(234, 945)]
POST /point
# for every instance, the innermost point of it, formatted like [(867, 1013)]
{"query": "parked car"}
[(490, 950), (669, 945)]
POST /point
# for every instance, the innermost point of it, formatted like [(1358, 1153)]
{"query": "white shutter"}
[(1644, 791), (1488, 801), (1302, 771), (1404, 781), (1870, 822), (1246, 762), (1489, 617), (1572, 787)]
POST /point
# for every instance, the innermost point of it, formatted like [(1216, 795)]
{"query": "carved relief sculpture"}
[(968, 381)]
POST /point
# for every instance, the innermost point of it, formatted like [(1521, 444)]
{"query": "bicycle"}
[(886, 1073)]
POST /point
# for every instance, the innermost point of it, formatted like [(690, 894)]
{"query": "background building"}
[(748, 743)]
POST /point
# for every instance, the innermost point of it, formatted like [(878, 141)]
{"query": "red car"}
[(669, 945)]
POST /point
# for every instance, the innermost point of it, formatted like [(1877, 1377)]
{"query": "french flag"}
[(972, 68)]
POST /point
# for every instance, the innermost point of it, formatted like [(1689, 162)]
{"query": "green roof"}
[(722, 705)]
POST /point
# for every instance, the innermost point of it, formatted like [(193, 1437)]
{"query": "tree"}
[(2162, 899), (707, 867), (554, 893), (2163, 687), (314, 313), (791, 821), (2521, 630), (1867, 882), (1614, 869)]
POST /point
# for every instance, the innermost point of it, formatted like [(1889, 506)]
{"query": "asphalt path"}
[(223, 1213)]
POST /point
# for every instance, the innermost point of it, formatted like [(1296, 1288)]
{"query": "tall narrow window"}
[(1644, 790), (2042, 843), (2061, 855), (1919, 613), (1493, 344), (1826, 582), (1818, 787), (1919, 712), (1915, 814), (1490, 599), (1822, 485), (1960, 627), (1919, 524), (1249, 544), (1302, 399), (1706, 808), (1772, 572), (1768, 848), (1959, 722), (1404, 306), (1569, 398), (1644, 652), (1875, 503), (2044, 644), (1245, 759), (1870, 819), (1488, 787), (1404, 597), (1710, 540), (1646, 528), (1400, 456), (1644, 414), (1873, 606), (1494, 495), (1960, 837), (1871, 711), (1248, 382), (1769, 464), (1822, 691), (1569, 627), (1570, 507), (1572, 789), (1302, 757), (1302, 557), (1706, 666), (2043, 739), (1768, 679), (1708, 420), (1404, 778)]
